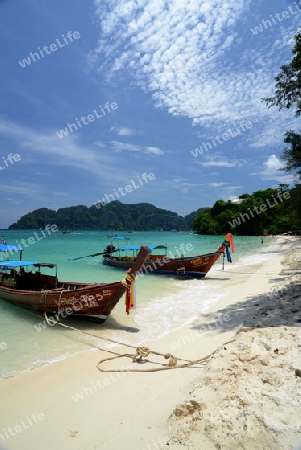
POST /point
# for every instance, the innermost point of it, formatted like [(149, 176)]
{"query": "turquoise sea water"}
[(164, 303)]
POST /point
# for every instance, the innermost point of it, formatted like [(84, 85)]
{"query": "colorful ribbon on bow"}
[(228, 242), (130, 297)]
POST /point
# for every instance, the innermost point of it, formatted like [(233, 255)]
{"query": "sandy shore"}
[(246, 396)]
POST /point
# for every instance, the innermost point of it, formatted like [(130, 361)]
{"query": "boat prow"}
[(193, 266), (23, 283)]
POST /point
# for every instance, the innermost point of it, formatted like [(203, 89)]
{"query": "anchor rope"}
[(141, 354)]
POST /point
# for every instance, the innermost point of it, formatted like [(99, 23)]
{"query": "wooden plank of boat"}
[(45, 293), (195, 266)]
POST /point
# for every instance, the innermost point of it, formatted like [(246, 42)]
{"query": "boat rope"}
[(59, 303), (44, 295), (141, 354)]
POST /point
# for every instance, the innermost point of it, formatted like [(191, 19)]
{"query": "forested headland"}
[(112, 216), (269, 211)]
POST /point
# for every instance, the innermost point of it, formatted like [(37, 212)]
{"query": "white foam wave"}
[(163, 314)]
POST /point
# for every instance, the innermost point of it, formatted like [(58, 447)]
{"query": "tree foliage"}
[(288, 95), (292, 154), (288, 83), (249, 217), (113, 216)]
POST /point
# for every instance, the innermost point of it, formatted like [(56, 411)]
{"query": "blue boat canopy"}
[(137, 247), (122, 238), (12, 264), (10, 248)]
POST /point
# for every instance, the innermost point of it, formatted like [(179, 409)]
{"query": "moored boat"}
[(25, 284), (194, 266)]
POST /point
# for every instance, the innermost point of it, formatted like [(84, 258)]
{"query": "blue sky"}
[(181, 74)]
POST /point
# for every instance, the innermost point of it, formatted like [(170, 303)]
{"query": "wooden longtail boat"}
[(195, 266), (23, 283)]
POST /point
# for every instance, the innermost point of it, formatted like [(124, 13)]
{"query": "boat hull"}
[(44, 293), (84, 300), (196, 266)]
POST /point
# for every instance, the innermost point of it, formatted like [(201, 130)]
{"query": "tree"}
[(248, 217), (292, 154), (243, 196), (288, 95), (288, 83)]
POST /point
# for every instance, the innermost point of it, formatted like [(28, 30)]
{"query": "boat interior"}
[(33, 281), (133, 258)]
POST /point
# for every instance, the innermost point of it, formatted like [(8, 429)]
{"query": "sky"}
[(141, 101)]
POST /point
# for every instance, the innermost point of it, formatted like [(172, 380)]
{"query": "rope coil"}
[(141, 352)]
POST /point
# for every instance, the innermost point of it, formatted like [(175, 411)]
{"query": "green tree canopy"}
[(266, 211), (288, 95), (288, 82)]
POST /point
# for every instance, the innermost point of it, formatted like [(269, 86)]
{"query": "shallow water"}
[(164, 303)]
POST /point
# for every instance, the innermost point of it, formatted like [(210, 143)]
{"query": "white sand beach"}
[(247, 395)]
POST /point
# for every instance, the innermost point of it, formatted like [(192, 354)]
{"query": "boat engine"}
[(108, 250)]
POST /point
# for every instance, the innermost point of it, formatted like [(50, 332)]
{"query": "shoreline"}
[(158, 299), (131, 410)]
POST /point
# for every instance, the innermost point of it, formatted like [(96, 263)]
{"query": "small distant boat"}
[(25, 284), (194, 266)]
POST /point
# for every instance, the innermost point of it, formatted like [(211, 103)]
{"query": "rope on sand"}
[(172, 361), (141, 353), (140, 357)]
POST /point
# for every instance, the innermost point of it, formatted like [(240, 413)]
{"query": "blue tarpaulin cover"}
[(17, 263), (7, 248), (122, 238), (137, 247)]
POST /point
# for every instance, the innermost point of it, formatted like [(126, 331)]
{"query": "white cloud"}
[(99, 144), (216, 184), (119, 146), (271, 171), (217, 160), (184, 186), (123, 131), (232, 187), (154, 150), (64, 152), (220, 164), (189, 55), (20, 187)]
